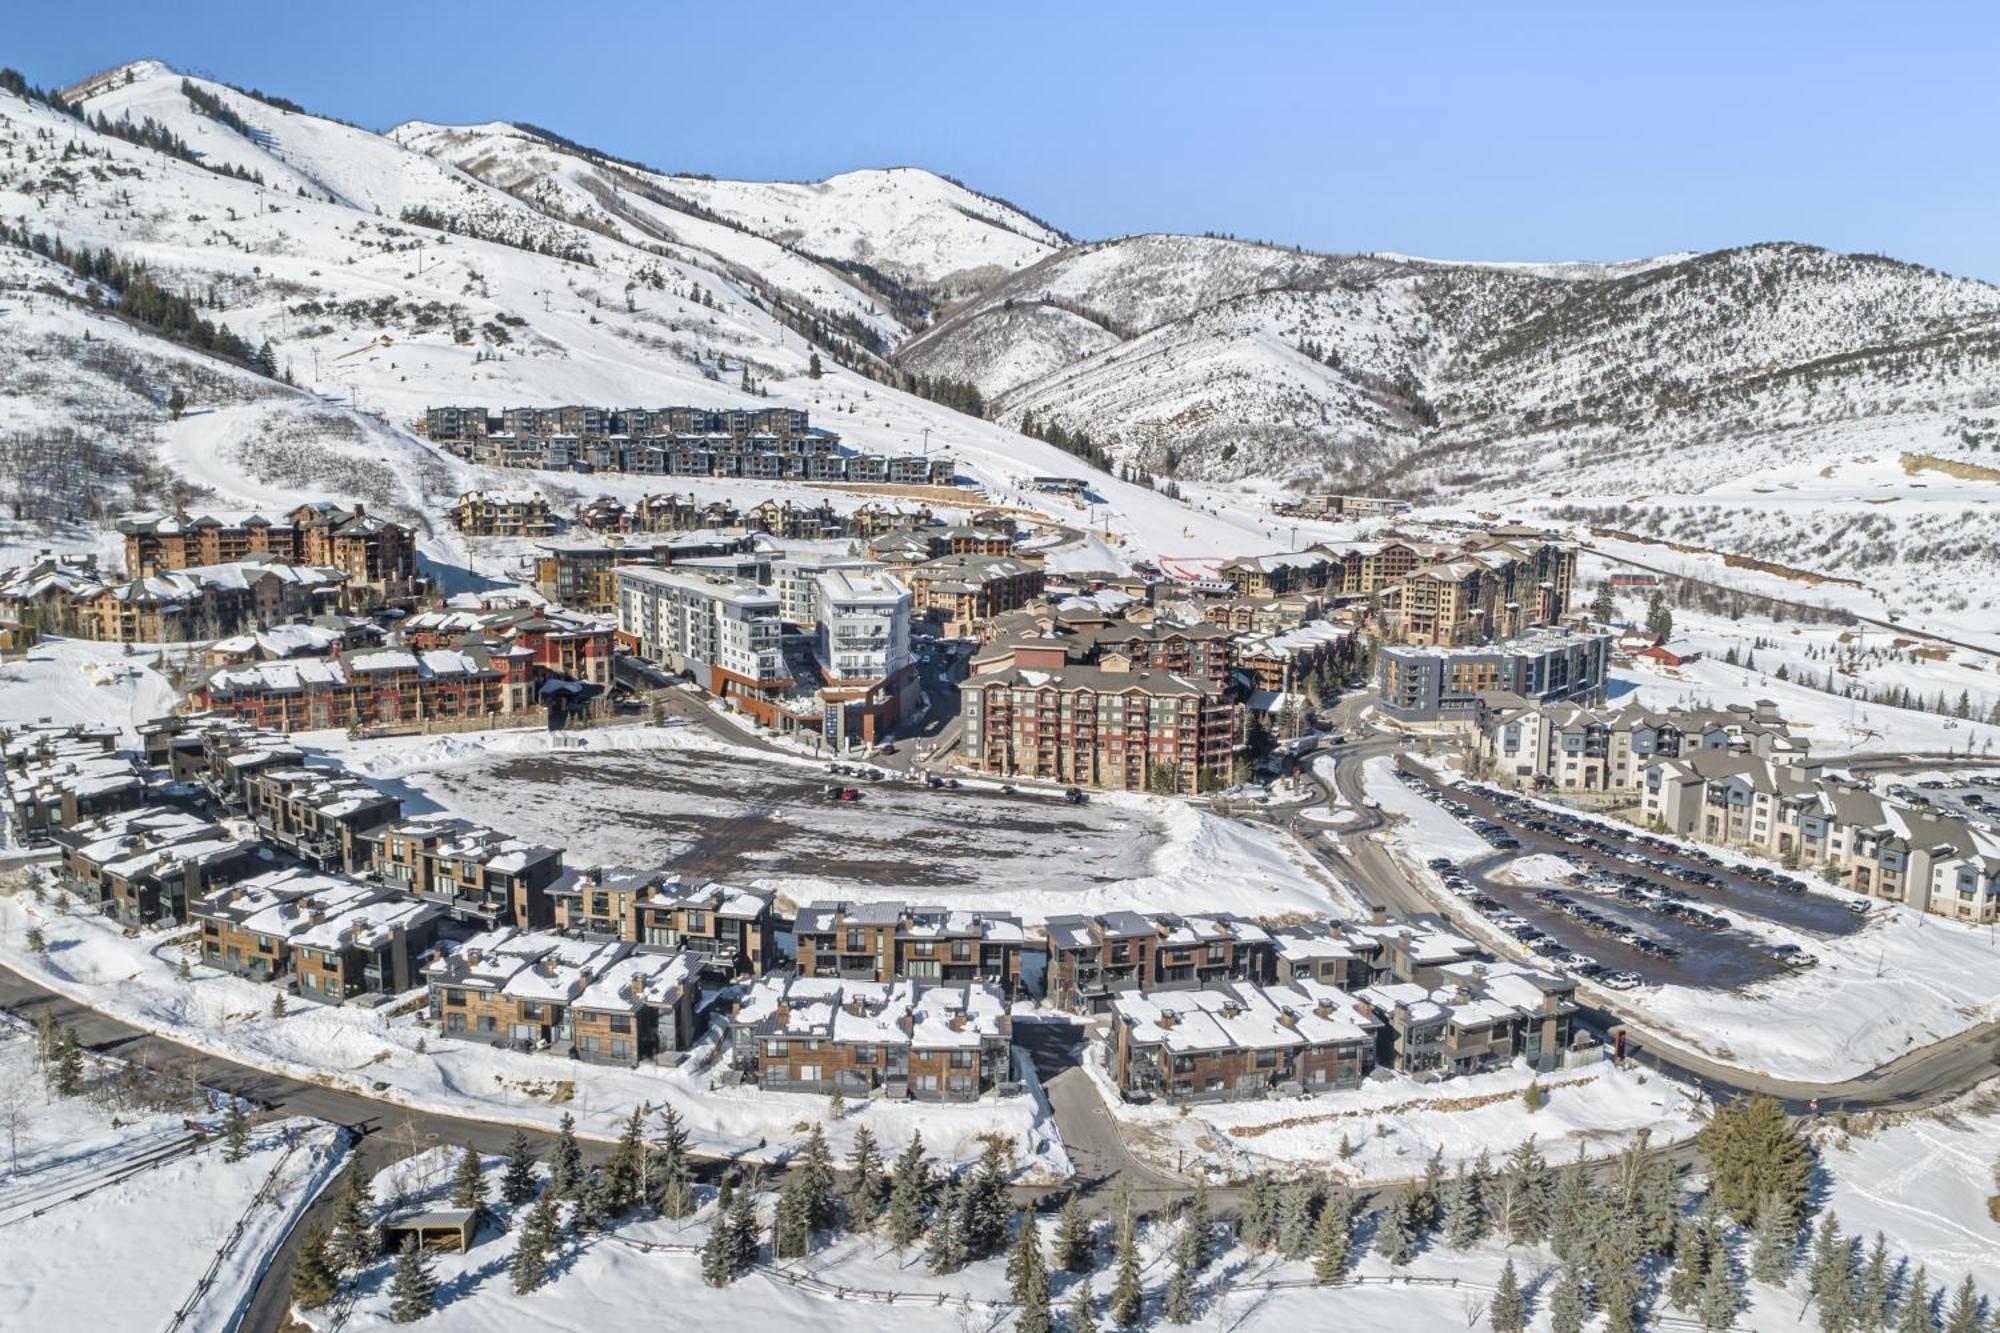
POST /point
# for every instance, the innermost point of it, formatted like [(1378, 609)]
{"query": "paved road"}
[(1089, 1132)]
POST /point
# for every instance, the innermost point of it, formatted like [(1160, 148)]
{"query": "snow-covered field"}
[(89, 960), (1928, 1180), (80, 680), (115, 1251), (1903, 982), (680, 797)]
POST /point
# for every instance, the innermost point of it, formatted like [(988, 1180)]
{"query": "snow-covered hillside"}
[(387, 280), (906, 221), (1680, 372)]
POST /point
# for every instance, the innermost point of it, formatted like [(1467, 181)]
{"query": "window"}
[(621, 1022), (454, 997), (776, 1048)]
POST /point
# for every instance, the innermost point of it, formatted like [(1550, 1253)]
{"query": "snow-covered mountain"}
[(1224, 359), (386, 280), (499, 264)]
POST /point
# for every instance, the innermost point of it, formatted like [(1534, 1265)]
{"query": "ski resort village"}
[(594, 748)]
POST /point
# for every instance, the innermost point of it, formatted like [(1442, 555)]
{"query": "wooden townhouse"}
[(252, 927), (475, 874), (1239, 1040), (732, 930), (1475, 1015), (372, 949), (888, 941), (60, 776), (601, 1001), (150, 863), (503, 513), (899, 1040), (321, 815), (1094, 959)]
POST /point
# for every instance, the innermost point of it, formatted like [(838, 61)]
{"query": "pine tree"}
[(592, 1213), (1568, 1210), (566, 1170), (1464, 1211), (355, 1240), (1720, 1294), (672, 1176), (1333, 1237), (1075, 1248), (1178, 1307), (1295, 1219), (791, 1228), (1198, 1228), (413, 1291), (1568, 1308), (176, 403), (66, 1068), (1509, 1312), (983, 1210), (1754, 1153), (1258, 1217), (1524, 1195), (1082, 1309), (235, 1133), (530, 1268), (468, 1185), (1777, 1241), (1603, 606), (315, 1281), (1965, 1315), (718, 1253), (626, 1168), (865, 1182), (1913, 1312), (946, 1249), (517, 1181), (1430, 1194), (813, 366), (815, 1164), (1691, 1257), (909, 1193), (1876, 1280), (1831, 1277), (36, 942), (1127, 1295), (743, 1228), (1397, 1238), (1028, 1278)]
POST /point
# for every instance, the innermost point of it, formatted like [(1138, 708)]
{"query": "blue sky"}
[(1480, 131)]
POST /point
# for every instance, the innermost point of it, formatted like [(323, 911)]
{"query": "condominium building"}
[(1477, 1015), (1442, 686), (862, 644), (723, 632), (1575, 748), (961, 593), (1097, 726)]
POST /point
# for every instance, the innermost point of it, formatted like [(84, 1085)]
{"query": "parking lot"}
[(1627, 908)]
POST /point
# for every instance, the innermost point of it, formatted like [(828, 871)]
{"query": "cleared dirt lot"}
[(724, 817)]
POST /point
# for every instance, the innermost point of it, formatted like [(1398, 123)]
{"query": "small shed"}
[(438, 1229)]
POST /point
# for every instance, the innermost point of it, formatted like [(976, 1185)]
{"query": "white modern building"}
[(795, 578), (862, 643), (723, 632)]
